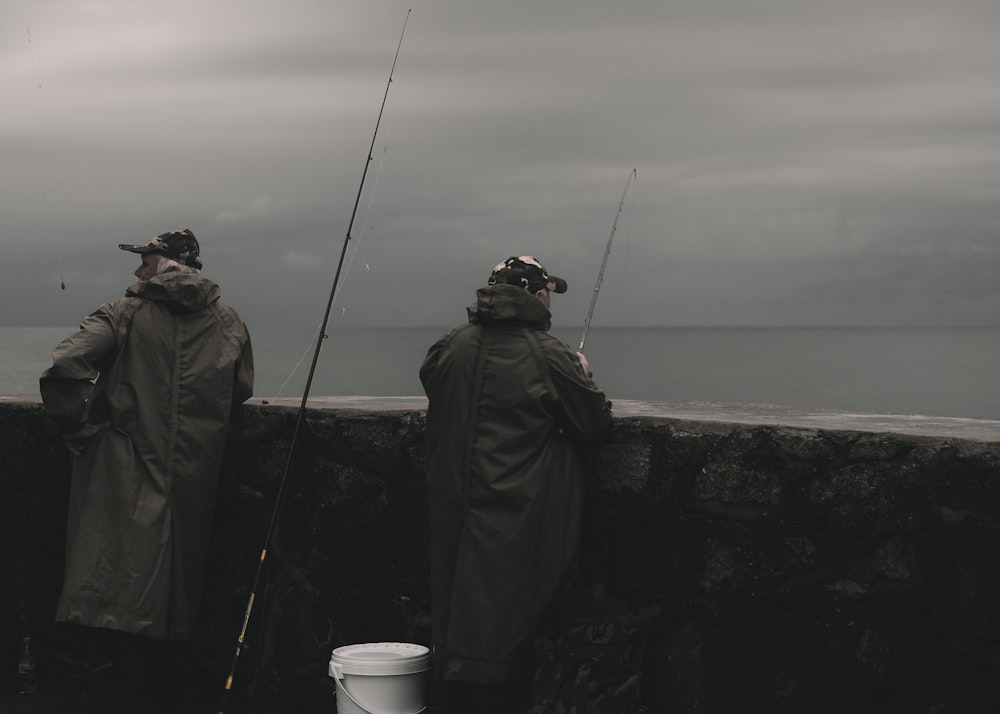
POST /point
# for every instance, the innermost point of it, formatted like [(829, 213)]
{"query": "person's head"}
[(172, 251), (526, 272)]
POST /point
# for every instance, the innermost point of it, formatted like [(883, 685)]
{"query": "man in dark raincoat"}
[(510, 407), (172, 365)]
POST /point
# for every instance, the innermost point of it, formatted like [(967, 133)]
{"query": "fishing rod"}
[(604, 264), (282, 487)]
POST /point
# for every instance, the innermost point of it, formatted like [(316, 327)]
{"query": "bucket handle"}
[(338, 675)]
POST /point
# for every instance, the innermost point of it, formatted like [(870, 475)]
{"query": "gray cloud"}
[(798, 163)]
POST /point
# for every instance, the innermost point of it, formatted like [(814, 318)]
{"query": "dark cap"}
[(526, 272), (181, 246)]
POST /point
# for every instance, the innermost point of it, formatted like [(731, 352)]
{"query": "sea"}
[(949, 372)]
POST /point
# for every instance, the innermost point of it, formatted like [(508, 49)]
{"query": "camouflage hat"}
[(181, 246), (528, 273)]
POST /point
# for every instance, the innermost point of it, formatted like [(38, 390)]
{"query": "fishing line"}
[(350, 262), (34, 68), (298, 364), (300, 419), (364, 222), (41, 201), (59, 248), (347, 271), (368, 209)]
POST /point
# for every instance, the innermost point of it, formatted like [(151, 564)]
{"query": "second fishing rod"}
[(300, 419), (604, 263)]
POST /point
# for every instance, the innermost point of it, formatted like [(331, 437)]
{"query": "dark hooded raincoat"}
[(509, 408), (176, 364)]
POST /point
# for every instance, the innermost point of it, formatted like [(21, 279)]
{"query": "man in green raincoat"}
[(509, 408), (172, 365)]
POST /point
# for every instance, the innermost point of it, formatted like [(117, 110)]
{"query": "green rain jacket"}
[(175, 365), (509, 408)]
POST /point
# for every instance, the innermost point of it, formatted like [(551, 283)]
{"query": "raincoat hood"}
[(189, 291), (510, 304)]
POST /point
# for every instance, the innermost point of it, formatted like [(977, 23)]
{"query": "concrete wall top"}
[(981, 430), (984, 430)]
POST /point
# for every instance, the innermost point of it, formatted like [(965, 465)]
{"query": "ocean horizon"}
[(929, 371)]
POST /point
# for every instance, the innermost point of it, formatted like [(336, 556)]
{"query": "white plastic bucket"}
[(380, 678)]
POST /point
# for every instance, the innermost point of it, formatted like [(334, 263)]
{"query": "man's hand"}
[(76, 441), (585, 364)]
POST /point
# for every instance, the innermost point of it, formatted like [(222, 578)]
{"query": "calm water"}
[(930, 371)]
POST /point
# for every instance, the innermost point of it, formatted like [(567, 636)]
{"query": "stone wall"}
[(735, 560)]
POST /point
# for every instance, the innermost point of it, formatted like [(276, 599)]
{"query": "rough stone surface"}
[(736, 560)]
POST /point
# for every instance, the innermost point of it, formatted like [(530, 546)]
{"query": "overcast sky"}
[(798, 162)]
